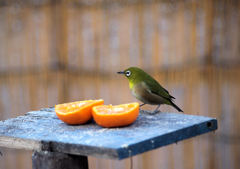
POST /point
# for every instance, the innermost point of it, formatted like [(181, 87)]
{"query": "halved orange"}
[(115, 116), (76, 112)]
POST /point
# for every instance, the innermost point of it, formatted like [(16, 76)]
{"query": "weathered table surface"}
[(42, 130)]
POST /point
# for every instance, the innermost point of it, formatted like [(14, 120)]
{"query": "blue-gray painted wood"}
[(43, 131)]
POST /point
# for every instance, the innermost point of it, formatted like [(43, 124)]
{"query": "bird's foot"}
[(155, 112), (144, 111), (149, 112)]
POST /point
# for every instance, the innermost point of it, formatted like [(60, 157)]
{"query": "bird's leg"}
[(156, 110), (142, 111)]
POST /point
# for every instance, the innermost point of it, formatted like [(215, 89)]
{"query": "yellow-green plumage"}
[(146, 89), (131, 84)]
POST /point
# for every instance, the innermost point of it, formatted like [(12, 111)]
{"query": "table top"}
[(43, 131)]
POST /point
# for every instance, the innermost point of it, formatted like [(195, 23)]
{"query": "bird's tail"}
[(176, 107)]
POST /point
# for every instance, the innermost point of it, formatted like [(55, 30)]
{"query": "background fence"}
[(60, 51)]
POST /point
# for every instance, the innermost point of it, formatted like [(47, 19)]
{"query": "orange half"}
[(115, 116), (76, 112)]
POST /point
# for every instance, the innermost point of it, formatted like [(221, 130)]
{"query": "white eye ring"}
[(128, 73)]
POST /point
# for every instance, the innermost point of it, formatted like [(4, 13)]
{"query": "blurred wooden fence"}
[(58, 51)]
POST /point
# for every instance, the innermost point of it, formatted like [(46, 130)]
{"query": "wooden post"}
[(54, 160)]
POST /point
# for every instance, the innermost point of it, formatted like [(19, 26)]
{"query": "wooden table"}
[(60, 146)]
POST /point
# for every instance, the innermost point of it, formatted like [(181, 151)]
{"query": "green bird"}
[(146, 89)]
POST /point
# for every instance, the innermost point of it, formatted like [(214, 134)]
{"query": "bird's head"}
[(130, 73), (133, 74)]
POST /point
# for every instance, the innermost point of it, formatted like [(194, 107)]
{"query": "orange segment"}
[(115, 116), (76, 112)]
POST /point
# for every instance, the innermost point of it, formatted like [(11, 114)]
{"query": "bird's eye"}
[(128, 73)]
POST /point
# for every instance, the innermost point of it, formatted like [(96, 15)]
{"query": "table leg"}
[(54, 160)]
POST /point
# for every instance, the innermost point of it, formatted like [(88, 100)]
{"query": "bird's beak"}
[(121, 72)]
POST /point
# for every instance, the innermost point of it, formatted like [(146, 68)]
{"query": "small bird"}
[(146, 89)]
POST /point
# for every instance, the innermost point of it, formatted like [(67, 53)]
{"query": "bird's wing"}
[(156, 88)]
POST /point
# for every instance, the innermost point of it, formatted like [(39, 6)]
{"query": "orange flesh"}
[(115, 116), (72, 107), (109, 109)]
